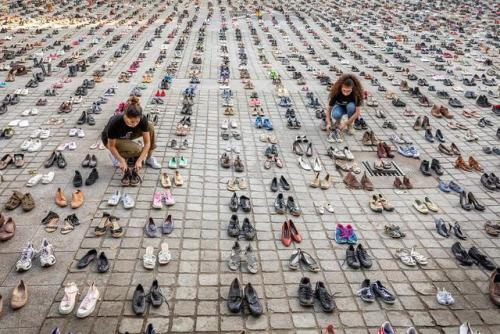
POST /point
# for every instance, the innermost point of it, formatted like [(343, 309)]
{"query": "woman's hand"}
[(123, 165), (138, 164)]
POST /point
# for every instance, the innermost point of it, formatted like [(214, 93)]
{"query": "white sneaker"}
[(69, 299), (26, 144), (153, 163), (348, 154), (34, 112), (36, 133), (80, 133), (25, 261), (36, 145), (444, 297), (233, 124), (72, 132), (88, 303), (47, 257), (47, 178), (26, 112), (33, 181), (45, 134), (225, 124), (115, 198), (128, 201), (72, 145), (329, 208), (24, 123)]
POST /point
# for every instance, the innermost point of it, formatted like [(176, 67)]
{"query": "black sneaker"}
[(324, 297), (363, 257), (306, 295), (248, 229), (77, 179), (381, 291), (351, 259), (93, 176), (279, 204)]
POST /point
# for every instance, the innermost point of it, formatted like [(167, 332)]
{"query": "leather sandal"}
[(6, 161)]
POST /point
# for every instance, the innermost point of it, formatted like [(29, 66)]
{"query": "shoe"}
[(292, 206), (380, 291), (251, 260), (150, 228), (89, 302), (286, 235), (234, 260), (249, 230), (155, 295), (252, 301), (366, 183), (494, 287), (461, 254), (481, 259), (306, 294), (68, 301), (25, 261), (325, 298), (139, 300), (425, 168), (351, 258), (19, 296), (102, 263), (77, 179), (77, 199), (87, 259), (363, 256), (47, 256), (436, 167), (441, 228), (284, 183), (93, 176), (365, 292), (279, 204), (375, 205), (235, 297), (444, 297), (234, 203), (245, 204), (153, 163), (475, 203), (351, 181), (386, 328)]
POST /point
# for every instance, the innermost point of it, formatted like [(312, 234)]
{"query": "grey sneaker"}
[(47, 257), (27, 255), (366, 293), (234, 260), (252, 264)]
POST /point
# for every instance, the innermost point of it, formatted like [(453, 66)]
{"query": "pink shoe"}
[(157, 200), (252, 103), (257, 102), (169, 199)]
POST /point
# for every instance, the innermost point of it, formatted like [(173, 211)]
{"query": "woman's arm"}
[(145, 149), (116, 154)]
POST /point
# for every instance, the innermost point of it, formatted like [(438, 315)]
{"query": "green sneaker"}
[(183, 162), (172, 163)]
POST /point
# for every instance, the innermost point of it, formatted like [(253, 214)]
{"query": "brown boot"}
[(61, 198), (77, 199), (366, 183), (435, 111), (351, 181), (495, 287), (367, 139), (397, 183), (461, 164), (374, 139), (407, 183)]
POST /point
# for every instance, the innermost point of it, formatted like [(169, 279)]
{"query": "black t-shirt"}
[(343, 100), (118, 129)]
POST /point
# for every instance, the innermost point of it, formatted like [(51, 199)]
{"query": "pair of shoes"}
[(468, 201), (88, 304), (140, 298), (177, 162), (102, 261), (17, 199), (243, 202), (111, 222), (324, 184), (369, 139), (307, 294), (384, 150), (149, 259), (159, 198), (55, 158), (370, 291), (446, 231), (91, 179), (281, 207), (130, 178), (51, 222), (297, 148), (239, 182), (405, 184), (247, 230), (492, 228), (77, 199), (302, 257), (234, 260), (394, 231), (408, 151), (468, 258), (426, 167), (118, 196), (90, 161), (289, 233), (226, 162), (410, 257), (357, 258), (282, 182), (471, 165), (425, 206), (352, 182), (345, 234), (46, 256), (236, 298), (379, 203)]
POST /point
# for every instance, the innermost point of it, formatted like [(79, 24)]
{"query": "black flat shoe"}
[(102, 263), (480, 258), (61, 161), (284, 183), (51, 160), (253, 301), (235, 297), (155, 295), (77, 179), (233, 229), (93, 176), (274, 184), (86, 259), (234, 204), (139, 300)]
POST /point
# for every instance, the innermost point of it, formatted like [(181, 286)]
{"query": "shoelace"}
[(306, 292)]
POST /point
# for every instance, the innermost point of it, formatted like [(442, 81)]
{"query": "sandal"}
[(52, 225), (405, 257), (14, 200), (393, 231), (103, 225), (116, 230), (6, 161), (68, 226), (27, 202), (149, 259), (164, 255), (419, 258)]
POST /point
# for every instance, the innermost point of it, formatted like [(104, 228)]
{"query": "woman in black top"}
[(119, 134), (346, 97)]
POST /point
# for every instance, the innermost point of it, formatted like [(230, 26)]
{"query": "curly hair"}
[(133, 108), (351, 81)]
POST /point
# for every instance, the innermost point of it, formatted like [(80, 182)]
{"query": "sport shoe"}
[(365, 292), (47, 257), (153, 163), (25, 261), (444, 297)]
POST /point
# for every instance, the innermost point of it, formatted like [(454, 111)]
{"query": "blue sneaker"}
[(405, 151), (258, 122), (414, 152), (444, 187), (455, 187), (267, 124)]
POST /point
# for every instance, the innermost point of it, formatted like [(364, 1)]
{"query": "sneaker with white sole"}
[(47, 257), (89, 302), (69, 299), (153, 163), (36, 145), (25, 261)]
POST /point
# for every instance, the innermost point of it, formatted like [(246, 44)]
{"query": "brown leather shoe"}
[(14, 200), (407, 183), (351, 181), (444, 149), (27, 202), (7, 229), (495, 287), (19, 296), (366, 183), (381, 153), (445, 112), (455, 149), (367, 140), (397, 183), (77, 199), (388, 150), (426, 124), (435, 111), (418, 124), (461, 164), (475, 165), (61, 198)]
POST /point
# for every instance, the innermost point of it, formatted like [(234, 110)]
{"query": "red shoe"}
[(286, 238), (293, 231), (158, 94), (163, 93), (329, 330)]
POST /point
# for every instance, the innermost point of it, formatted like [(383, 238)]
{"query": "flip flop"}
[(68, 227)]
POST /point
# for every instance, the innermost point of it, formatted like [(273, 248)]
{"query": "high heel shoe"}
[(464, 202), (473, 201)]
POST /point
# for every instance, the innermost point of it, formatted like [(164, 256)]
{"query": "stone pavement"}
[(197, 280)]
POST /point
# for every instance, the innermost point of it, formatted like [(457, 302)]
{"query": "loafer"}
[(235, 297), (102, 263), (252, 301), (139, 300), (245, 203), (87, 258), (150, 229), (155, 294), (168, 225)]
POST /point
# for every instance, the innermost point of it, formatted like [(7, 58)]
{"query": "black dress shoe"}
[(461, 254), (464, 202), (306, 294), (139, 300), (481, 259), (155, 295), (102, 263), (235, 298), (234, 203), (77, 179), (253, 301), (363, 256), (436, 167), (325, 298), (279, 204), (233, 229), (82, 119), (248, 229), (474, 202), (87, 258), (441, 228), (284, 183), (458, 231), (429, 136), (61, 161), (93, 176), (274, 184), (425, 168), (245, 203), (351, 258), (51, 160)]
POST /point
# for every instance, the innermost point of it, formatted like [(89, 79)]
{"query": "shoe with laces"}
[(153, 163), (381, 291), (47, 256), (365, 292), (89, 302), (444, 297), (234, 260), (27, 255)]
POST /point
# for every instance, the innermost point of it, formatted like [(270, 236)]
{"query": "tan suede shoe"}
[(61, 198), (19, 296)]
